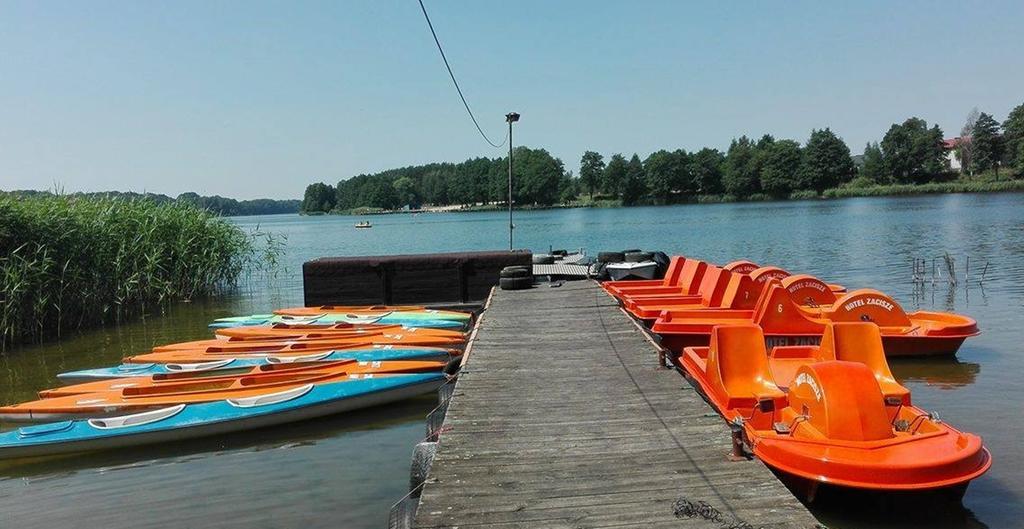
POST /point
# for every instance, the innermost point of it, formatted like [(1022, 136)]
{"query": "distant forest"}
[(911, 153), (539, 179), (227, 207)]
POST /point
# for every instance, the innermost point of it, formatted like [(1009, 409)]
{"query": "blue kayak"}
[(393, 318), (370, 354), (187, 421)]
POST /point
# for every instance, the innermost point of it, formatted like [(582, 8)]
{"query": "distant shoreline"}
[(934, 188)]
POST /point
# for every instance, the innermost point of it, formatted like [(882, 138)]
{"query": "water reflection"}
[(293, 436), (346, 471), (943, 373)]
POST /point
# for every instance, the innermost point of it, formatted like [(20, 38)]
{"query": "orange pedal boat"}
[(831, 414), (785, 321), (133, 396), (719, 288)]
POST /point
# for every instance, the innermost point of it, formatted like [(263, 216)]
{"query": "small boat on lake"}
[(364, 224), (831, 414), (186, 421), (296, 332), (225, 344), (437, 319), (110, 397), (375, 353)]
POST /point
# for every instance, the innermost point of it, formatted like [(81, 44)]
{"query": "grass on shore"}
[(73, 262)]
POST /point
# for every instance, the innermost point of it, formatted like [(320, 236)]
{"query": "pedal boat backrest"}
[(714, 285), (674, 270), (744, 291), (691, 276), (778, 314), (809, 291), (741, 267), (867, 305), (861, 342), (737, 368), (841, 400)]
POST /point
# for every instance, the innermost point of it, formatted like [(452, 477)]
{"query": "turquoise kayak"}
[(371, 354), (187, 421), (411, 320)]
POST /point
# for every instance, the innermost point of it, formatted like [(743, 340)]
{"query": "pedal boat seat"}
[(861, 342), (737, 369)]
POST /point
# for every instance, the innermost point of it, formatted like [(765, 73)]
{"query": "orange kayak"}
[(188, 379), (288, 331), (831, 413), (323, 338), (260, 350), (784, 321), (375, 310), (156, 395)]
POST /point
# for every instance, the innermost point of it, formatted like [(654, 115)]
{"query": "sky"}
[(258, 99)]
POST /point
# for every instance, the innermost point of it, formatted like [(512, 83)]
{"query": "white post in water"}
[(511, 118)]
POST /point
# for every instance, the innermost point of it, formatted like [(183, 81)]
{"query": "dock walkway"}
[(562, 418)]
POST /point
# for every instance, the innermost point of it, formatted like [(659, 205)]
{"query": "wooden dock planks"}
[(562, 419)]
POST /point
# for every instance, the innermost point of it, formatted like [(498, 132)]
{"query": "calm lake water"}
[(346, 471)]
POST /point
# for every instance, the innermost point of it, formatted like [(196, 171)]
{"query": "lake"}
[(346, 471)]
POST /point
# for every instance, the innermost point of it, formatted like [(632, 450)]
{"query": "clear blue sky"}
[(249, 99)]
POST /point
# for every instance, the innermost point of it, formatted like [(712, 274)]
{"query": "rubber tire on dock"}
[(638, 257), (610, 257), (515, 271), (422, 458), (543, 259), (453, 365), (515, 283)]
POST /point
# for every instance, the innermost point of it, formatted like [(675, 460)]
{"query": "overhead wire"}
[(456, 83)]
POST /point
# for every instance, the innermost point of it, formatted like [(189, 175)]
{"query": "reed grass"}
[(72, 262), (956, 186)]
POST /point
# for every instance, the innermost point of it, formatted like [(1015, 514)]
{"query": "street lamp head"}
[(512, 117)]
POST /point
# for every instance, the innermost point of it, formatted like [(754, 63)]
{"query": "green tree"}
[(405, 192), (1013, 133), (319, 198), (536, 176), (913, 153), (661, 170), (614, 175), (739, 172), (826, 161), (874, 164), (780, 167), (706, 171), (988, 144), (591, 171), (569, 188), (633, 186)]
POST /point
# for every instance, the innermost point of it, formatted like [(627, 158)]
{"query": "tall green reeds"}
[(70, 262)]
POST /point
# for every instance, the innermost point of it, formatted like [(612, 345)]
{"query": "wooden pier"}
[(562, 418)]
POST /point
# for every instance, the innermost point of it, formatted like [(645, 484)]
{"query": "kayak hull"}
[(216, 418), (150, 369)]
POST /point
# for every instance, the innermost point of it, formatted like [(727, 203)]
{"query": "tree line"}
[(218, 205), (540, 179), (910, 152)]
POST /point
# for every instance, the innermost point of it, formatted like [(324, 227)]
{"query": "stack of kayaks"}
[(292, 365), (800, 365)]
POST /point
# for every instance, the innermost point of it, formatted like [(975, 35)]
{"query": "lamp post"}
[(511, 118)]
